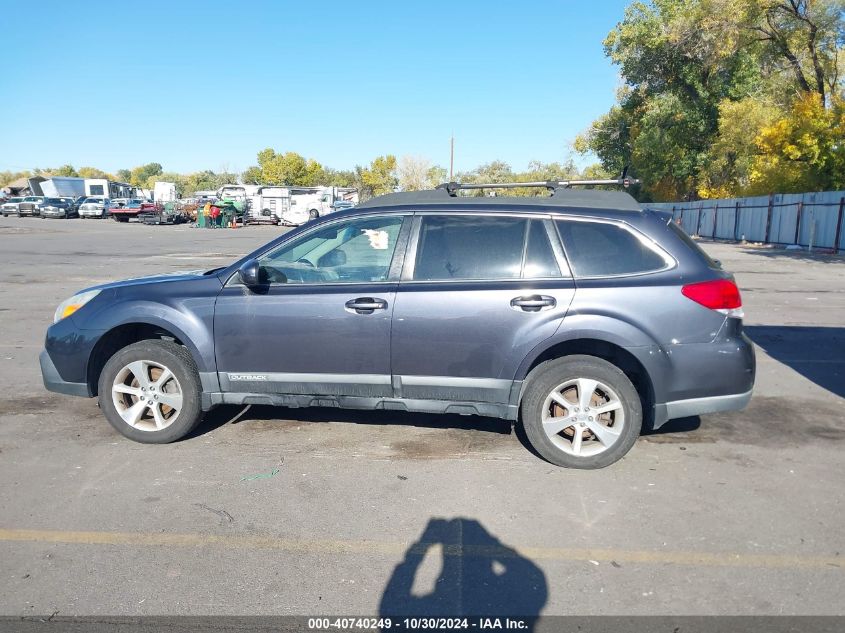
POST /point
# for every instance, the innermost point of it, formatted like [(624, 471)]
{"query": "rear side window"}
[(600, 249), (471, 247), (686, 239)]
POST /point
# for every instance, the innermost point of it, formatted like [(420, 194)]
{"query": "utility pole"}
[(452, 158)]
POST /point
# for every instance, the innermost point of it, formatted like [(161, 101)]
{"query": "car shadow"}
[(478, 575), (817, 353), (672, 431), (822, 256), (231, 414)]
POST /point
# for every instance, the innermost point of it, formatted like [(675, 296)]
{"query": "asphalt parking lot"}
[(329, 512)]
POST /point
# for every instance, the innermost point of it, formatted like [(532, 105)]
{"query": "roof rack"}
[(551, 185)]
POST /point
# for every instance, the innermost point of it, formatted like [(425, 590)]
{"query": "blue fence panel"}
[(784, 218), (821, 209), (778, 219), (752, 218)]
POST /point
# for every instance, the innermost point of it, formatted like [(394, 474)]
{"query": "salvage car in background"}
[(125, 210), (166, 214), (131, 209), (94, 207), (10, 207), (31, 205), (59, 208)]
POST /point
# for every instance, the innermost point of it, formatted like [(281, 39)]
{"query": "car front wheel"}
[(150, 392), (581, 412)]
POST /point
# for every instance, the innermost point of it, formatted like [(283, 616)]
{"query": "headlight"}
[(66, 308)]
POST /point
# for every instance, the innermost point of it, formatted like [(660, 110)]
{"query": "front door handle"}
[(366, 305), (533, 303)]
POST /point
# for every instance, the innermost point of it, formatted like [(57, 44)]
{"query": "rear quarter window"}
[(602, 249), (690, 243)]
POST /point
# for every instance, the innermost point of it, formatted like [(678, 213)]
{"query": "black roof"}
[(593, 199)]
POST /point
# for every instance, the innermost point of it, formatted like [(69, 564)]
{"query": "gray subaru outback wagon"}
[(580, 315)]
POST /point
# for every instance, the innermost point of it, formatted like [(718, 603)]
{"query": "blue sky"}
[(207, 85)]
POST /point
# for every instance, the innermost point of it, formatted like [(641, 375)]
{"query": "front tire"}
[(150, 392), (581, 412), (313, 214)]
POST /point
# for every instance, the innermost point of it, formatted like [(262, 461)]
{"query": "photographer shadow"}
[(479, 576)]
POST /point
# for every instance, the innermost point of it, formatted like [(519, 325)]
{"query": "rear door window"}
[(470, 247), (484, 248), (601, 249)]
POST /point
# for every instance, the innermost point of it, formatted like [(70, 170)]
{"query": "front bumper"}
[(54, 382)]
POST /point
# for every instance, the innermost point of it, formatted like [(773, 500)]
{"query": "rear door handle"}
[(533, 303), (366, 305)]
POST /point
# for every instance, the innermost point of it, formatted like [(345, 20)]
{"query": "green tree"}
[(731, 157), (686, 61), (10, 176), (338, 177), (65, 170), (379, 177), (803, 149), (141, 175), (93, 172), (413, 173), (284, 169), (252, 176), (123, 175)]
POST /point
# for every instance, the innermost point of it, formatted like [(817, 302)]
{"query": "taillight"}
[(721, 295)]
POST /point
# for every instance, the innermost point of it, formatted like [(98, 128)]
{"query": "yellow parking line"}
[(695, 559)]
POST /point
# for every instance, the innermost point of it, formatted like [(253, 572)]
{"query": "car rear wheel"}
[(150, 392), (581, 412), (313, 214)]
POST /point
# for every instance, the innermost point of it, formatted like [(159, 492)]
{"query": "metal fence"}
[(805, 219)]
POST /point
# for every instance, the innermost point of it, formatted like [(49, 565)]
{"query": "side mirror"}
[(250, 273)]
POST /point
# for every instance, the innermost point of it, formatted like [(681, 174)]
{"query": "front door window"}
[(356, 251)]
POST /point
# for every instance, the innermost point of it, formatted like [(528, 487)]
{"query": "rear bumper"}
[(54, 382), (699, 406), (701, 378)]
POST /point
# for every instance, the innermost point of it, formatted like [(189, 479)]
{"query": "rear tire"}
[(313, 214), (150, 392), (581, 412)]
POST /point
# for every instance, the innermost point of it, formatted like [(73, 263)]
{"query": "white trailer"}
[(61, 187), (108, 189), (164, 192), (307, 203)]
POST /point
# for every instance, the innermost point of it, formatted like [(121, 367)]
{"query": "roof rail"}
[(453, 187)]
